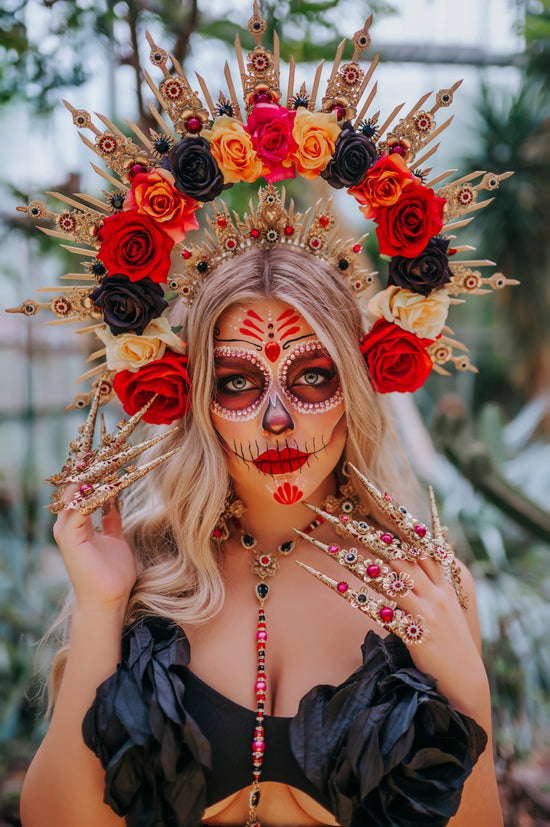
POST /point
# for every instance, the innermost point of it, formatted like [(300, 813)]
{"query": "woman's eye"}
[(313, 377), (235, 384)]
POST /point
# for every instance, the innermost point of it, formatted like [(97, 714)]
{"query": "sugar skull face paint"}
[(278, 404)]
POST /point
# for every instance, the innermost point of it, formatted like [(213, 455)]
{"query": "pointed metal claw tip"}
[(368, 485), (328, 581), (437, 532), (314, 508), (313, 540)]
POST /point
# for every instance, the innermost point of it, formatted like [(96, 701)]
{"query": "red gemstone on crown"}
[(314, 243), (222, 221), (231, 244), (254, 233), (186, 254), (324, 221), (386, 614), (193, 124), (135, 169), (356, 248), (289, 230)]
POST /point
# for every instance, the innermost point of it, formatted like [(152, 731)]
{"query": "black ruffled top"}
[(383, 749)]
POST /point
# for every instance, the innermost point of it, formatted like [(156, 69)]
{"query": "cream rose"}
[(131, 351), (422, 315)]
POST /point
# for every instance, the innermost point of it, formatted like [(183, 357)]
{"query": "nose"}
[(276, 418)]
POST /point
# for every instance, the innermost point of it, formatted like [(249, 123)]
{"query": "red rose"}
[(270, 127), (133, 245), (396, 359), (167, 377), (404, 228)]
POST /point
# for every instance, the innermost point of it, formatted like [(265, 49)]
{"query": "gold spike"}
[(469, 177), (457, 225), (95, 202), (97, 354), (337, 59), (72, 110), (365, 107), (154, 46), (85, 140), (140, 134), (116, 183), (152, 86), (388, 120), (80, 251), (290, 88), (89, 373), (316, 82), (91, 328), (433, 181), (232, 92), (179, 71), (80, 276), (417, 105), (66, 200), (110, 125), (425, 157), (161, 122), (53, 233), (240, 59), (207, 96), (276, 53)]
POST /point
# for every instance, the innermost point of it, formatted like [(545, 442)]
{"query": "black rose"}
[(354, 154), (428, 271), (129, 305), (195, 169)]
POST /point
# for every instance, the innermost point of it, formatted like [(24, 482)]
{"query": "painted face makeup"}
[(278, 404)]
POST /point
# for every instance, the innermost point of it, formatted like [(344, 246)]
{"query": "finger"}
[(410, 628), (112, 521)]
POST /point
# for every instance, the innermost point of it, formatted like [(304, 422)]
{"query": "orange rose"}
[(316, 134), (153, 194), (232, 148), (382, 185)]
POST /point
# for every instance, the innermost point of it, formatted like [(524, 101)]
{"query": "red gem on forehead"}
[(272, 351)]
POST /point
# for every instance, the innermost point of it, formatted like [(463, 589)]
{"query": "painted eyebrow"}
[(236, 362), (301, 358)]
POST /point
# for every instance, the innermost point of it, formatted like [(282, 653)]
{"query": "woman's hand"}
[(100, 563)]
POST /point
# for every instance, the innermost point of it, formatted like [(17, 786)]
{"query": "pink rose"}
[(270, 127)]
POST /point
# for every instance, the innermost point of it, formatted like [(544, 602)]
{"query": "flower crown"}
[(158, 182)]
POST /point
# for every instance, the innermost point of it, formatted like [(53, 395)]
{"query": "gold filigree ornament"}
[(102, 473)]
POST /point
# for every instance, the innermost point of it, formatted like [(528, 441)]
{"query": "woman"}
[(209, 589), (243, 691)]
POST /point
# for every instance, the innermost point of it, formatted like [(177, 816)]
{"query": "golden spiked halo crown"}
[(157, 182)]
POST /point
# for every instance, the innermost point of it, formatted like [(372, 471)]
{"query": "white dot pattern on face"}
[(297, 404), (246, 413)]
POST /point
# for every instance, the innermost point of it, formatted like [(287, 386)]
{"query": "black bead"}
[(162, 146), (343, 264), (368, 129), (98, 268), (262, 590), (286, 547), (248, 540), (255, 798), (117, 201), (202, 266), (225, 109)]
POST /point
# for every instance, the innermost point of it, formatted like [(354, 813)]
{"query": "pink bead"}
[(261, 686), (85, 490), (373, 570), (387, 497), (342, 587), (333, 549), (261, 636), (420, 530), (386, 614), (399, 150), (386, 538), (217, 532), (344, 518), (193, 124), (258, 746), (135, 169)]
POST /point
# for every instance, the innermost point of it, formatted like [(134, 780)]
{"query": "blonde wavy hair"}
[(170, 515)]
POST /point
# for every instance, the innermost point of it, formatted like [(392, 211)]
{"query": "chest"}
[(313, 636)]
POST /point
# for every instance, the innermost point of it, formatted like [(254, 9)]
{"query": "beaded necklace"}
[(264, 565)]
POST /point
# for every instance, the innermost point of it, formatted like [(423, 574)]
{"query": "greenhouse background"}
[(482, 440)]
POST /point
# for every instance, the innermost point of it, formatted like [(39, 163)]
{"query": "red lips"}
[(284, 461)]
